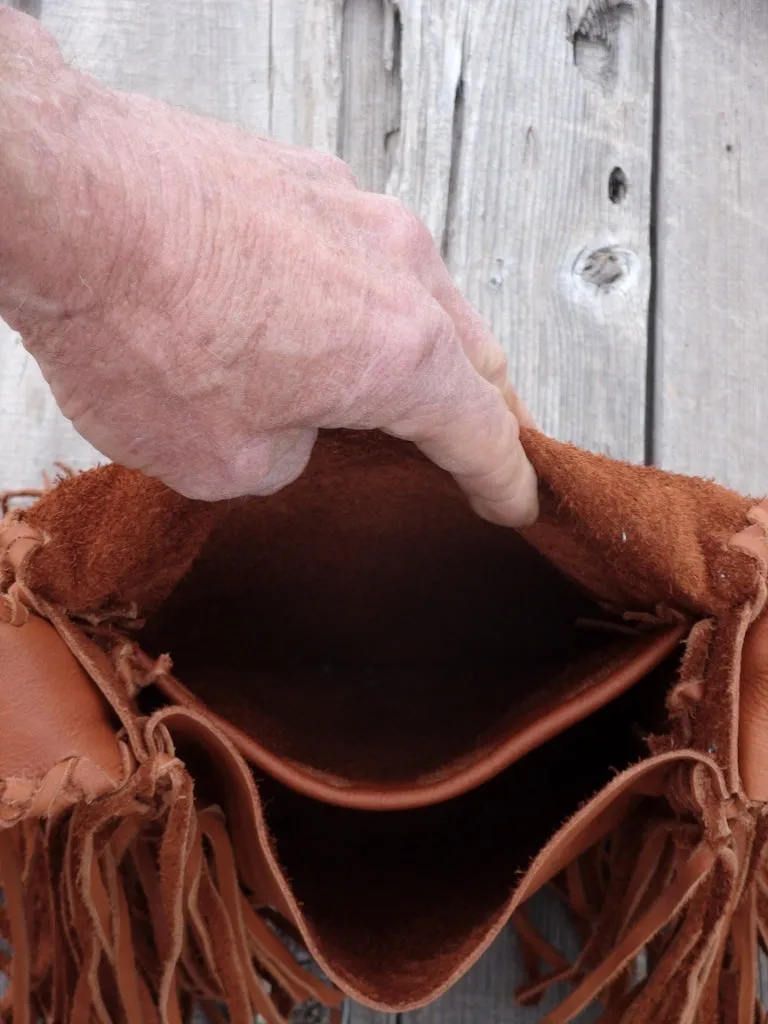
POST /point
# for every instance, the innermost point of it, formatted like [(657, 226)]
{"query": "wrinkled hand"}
[(207, 300)]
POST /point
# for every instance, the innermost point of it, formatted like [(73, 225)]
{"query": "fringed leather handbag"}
[(355, 718)]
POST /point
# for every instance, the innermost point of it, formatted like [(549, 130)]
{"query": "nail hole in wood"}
[(617, 185)]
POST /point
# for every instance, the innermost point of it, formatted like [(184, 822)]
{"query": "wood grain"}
[(35, 434), (487, 993), (551, 99), (354, 1014), (512, 119), (712, 317), (711, 324), (208, 56), (371, 90)]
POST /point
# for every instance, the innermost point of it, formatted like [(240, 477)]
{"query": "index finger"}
[(465, 426)]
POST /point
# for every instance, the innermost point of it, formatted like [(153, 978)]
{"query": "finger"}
[(490, 464), (476, 438)]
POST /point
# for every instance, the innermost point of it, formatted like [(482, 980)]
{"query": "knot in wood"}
[(604, 267)]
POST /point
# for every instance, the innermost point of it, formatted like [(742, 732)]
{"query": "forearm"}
[(53, 177)]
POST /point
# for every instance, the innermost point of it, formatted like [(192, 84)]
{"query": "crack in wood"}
[(32, 7), (618, 186), (457, 138), (370, 96), (393, 48), (596, 38), (393, 35)]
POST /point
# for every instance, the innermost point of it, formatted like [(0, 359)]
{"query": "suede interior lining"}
[(397, 900), (367, 625), (375, 625)]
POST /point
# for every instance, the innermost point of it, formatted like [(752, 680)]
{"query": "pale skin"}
[(202, 301)]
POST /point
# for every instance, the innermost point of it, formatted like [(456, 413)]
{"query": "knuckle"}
[(424, 340), (494, 364), (335, 168), (400, 230), (341, 171)]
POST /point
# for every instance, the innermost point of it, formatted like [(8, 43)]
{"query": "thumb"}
[(477, 440)]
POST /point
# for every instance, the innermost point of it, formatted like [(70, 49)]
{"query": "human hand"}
[(201, 301)]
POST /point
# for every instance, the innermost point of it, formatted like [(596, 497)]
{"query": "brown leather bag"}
[(387, 724)]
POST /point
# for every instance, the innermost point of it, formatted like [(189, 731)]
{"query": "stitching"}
[(17, 608), (68, 787)]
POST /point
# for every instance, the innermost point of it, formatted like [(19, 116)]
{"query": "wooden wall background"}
[(596, 173)]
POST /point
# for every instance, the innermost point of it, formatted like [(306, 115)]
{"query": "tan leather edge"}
[(18, 541), (753, 685), (257, 866), (65, 784), (588, 826), (261, 871), (531, 732)]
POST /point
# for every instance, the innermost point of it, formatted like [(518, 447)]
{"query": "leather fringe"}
[(670, 933), (129, 909)]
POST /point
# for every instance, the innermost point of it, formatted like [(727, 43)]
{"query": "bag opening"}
[(398, 902), (365, 638)]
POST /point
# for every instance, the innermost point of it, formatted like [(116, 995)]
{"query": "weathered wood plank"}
[(354, 1014), (305, 71), (369, 116), (35, 434), (209, 56), (525, 111), (487, 993), (513, 118), (711, 325), (712, 320)]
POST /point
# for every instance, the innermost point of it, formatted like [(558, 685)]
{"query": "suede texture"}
[(365, 624)]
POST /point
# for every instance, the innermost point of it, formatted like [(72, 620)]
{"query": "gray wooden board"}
[(554, 98), (487, 994), (712, 314), (361, 1015), (711, 325)]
